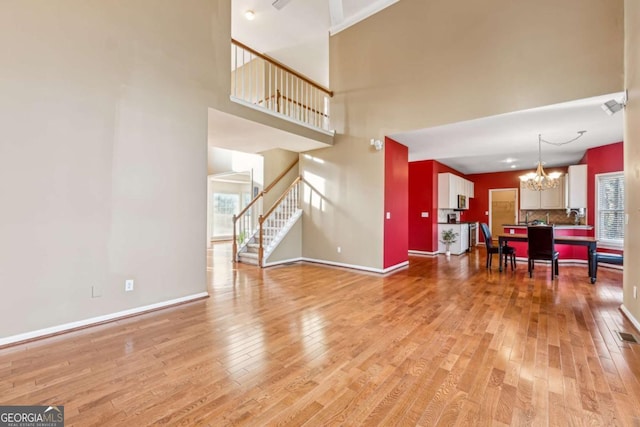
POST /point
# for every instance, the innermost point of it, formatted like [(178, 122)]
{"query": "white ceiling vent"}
[(279, 4)]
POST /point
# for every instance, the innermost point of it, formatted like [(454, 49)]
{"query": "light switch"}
[(388, 215), (626, 219), (424, 214), (486, 213)]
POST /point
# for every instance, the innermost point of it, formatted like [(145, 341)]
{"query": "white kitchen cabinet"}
[(450, 186), (576, 187), (529, 199), (462, 241), (552, 198)]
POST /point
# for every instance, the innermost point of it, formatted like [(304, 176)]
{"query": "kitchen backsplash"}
[(556, 216), (442, 215)]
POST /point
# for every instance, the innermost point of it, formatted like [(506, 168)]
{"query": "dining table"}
[(588, 241)]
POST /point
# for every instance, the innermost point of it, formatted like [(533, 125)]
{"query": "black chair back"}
[(487, 235), (541, 242)]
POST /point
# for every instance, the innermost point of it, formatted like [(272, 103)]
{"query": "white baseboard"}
[(395, 267), (629, 316), (340, 264), (412, 252), (66, 327)]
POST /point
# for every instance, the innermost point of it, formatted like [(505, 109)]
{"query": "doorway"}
[(228, 194), (502, 209)]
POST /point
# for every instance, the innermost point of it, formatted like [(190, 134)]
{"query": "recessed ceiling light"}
[(250, 15), (513, 166), (509, 160)]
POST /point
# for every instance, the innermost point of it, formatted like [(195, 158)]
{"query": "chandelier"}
[(540, 180)]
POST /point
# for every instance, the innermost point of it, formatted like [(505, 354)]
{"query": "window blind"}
[(610, 208)]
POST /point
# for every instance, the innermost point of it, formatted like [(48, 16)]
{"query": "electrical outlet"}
[(424, 214), (339, 249), (96, 292), (128, 285), (388, 215)]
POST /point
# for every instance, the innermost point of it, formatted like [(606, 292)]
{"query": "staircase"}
[(273, 226)]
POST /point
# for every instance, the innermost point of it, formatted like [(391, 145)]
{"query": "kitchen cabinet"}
[(450, 186), (552, 198), (575, 190), (462, 241)]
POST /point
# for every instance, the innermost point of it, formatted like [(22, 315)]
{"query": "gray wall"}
[(103, 155)]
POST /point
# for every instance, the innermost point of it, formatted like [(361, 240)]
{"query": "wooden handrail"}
[(269, 187), (304, 106), (280, 199), (282, 175), (278, 95), (255, 199), (246, 208), (284, 67)]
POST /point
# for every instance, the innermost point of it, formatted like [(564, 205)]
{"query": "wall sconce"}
[(377, 144)]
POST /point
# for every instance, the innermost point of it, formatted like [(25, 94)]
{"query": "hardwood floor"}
[(443, 342)]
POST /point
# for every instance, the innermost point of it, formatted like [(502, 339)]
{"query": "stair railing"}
[(281, 211), (245, 224), (263, 82)]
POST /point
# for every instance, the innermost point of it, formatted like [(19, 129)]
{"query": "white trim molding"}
[(629, 316), (281, 116), (355, 267), (412, 252), (81, 324), (372, 9), (396, 267)]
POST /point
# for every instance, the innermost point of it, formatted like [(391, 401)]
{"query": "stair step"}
[(248, 258)]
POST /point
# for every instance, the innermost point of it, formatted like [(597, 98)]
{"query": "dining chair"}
[(507, 251), (541, 246)]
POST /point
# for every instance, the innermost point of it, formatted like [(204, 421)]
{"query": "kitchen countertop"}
[(458, 222), (558, 226)]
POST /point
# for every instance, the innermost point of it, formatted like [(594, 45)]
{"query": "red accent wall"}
[(396, 202), (482, 184), (608, 158), (423, 197), (423, 193)]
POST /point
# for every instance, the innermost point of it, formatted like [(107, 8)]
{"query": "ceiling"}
[(298, 35), (239, 134), (510, 141)]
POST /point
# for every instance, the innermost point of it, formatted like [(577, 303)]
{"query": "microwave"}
[(462, 202)]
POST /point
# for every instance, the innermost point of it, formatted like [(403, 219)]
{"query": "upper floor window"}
[(610, 209)]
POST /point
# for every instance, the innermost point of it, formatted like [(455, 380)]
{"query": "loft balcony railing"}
[(267, 84)]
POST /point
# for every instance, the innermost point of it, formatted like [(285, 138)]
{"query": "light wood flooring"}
[(442, 342)]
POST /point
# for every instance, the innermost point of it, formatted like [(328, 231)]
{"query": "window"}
[(610, 209), (225, 205)]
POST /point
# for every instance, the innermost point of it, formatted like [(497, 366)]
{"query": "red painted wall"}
[(493, 181), (608, 158), (423, 192), (423, 197), (396, 202)]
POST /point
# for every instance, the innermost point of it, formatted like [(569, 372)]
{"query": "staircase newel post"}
[(260, 248), (278, 99), (235, 241)]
